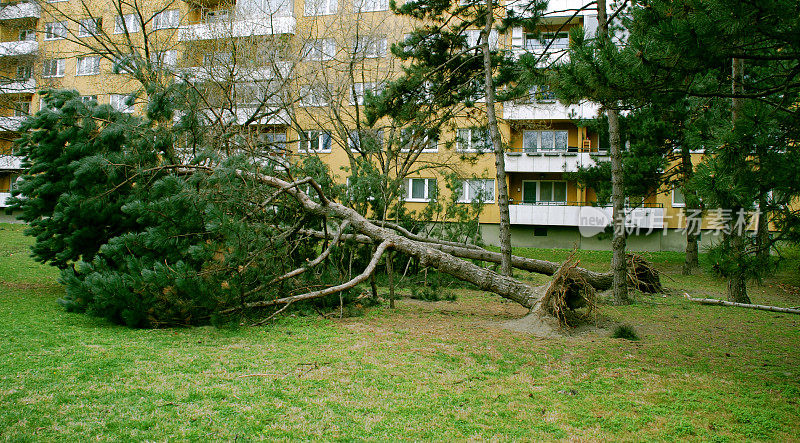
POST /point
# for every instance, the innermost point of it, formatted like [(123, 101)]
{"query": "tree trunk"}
[(618, 259), (691, 260), (762, 230), (737, 283), (497, 146), (390, 274)]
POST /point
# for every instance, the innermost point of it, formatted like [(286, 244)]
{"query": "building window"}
[(87, 66), (370, 5), (541, 94), (316, 141), (473, 140), (313, 96), (678, 199), (320, 49), (538, 42), (320, 7), (544, 141), (89, 98), (22, 108), (369, 141), (544, 191), (372, 47), (124, 65), (53, 67), (361, 90), (27, 35), (55, 30), (413, 139), (165, 59), (473, 35), (24, 72), (167, 19), (420, 189), (89, 27), (479, 189), (272, 142), (127, 23), (121, 102)]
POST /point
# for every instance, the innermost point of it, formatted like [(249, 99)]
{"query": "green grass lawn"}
[(443, 370)]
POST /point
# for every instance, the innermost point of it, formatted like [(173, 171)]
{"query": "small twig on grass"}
[(274, 314)]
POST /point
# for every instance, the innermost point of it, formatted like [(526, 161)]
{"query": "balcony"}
[(4, 196), (18, 87), (549, 111), (18, 48), (10, 162), (549, 161), (244, 113), (590, 219), (11, 124), (222, 73), (18, 12), (237, 28)]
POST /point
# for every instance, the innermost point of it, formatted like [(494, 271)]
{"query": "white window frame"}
[(165, 59), (120, 103), (370, 5), (54, 67), (312, 96), (475, 184), (27, 35), (533, 44), (537, 134), (353, 139), (372, 46), (538, 197), (89, 27), (320, 136), (131, 24), (87, 66), (24, 72), (429, 144), (169, 19), (361, 89), (678, 204), (55, 30), (22, 108), (88, 98), (474, 34), (320, 49), (320, 7), (469, 144), (428, 186), (273, 142)]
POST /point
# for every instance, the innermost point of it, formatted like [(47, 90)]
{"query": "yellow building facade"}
[(295, 72)]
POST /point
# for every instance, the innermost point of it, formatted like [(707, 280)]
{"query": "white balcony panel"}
[(583, 216), (10, 162), (243, 114), (11, 123), (20, 10), (13, 49), (237, 28), (201, 74), (548, 161), (18, 87), (4, 196), (549, 111)]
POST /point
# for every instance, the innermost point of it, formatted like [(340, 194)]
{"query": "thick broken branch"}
[(714, 301)]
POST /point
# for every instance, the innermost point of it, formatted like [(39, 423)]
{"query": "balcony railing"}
[(548, 161), (11, 123), (584, 215), (18, 48), (19, 11), (237, 28), (10, 162), (4, 196), (549, 110), (18, 87)]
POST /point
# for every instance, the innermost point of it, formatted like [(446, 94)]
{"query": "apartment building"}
[(295, 72)]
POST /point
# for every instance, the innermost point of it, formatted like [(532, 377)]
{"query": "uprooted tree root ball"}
[(567, 292), (642, 275)]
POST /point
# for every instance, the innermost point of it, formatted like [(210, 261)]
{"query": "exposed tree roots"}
[(567, 292), (642, 275)]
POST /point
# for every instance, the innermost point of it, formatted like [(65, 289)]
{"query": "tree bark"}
[(497, 145), (618, 259), (691, 257), (390, 274), (737, 283)]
